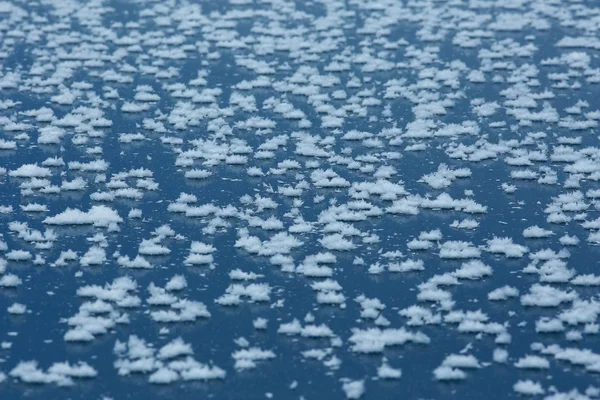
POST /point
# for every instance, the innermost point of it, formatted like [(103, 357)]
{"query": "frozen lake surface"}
[(299, 200)]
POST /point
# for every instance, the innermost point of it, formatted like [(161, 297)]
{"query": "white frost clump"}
[(260, 323), (535, 232), (586, 280), (31, 171), (418, 315), (34, 207), (446, 373), (64, 258), (337, 242), (473, 269), (182, 310), (17, 309), (239, 275), (151, 247), (246, 358), (200, 254), (134, 213), (375, 340), (354, 389), (503, 293), (528, 387), (567, 240), (10, 281), (101, 216), (549, 325), (61, 374), (444, 176), (96, 318), (506, 246), (371, 307), (163, 376), (18, 255), (385, 371), (290, 328), (532, 362), (177, 282), (407, 266), (461, 361), (94, 256), (172, 362), (547, 296), (458, 250), (138, 262), (465, 224), (328, 292), (177, 347), (255, 292), (500, 356)]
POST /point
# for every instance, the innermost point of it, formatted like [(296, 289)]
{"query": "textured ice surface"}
[(299, 199)]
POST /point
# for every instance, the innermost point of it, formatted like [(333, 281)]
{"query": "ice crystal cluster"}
[(315, 199)]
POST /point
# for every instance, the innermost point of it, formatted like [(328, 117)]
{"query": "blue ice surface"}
[(50, 293)]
